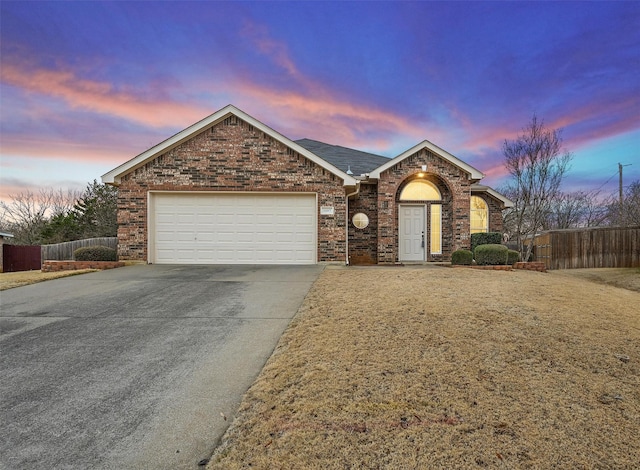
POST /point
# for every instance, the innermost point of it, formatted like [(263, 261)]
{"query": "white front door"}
[(411, 231)]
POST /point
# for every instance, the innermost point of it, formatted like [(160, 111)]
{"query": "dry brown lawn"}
[(23, 278), (430, 367), (618, 277)]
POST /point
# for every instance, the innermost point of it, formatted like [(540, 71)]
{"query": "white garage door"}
[(197, 228)]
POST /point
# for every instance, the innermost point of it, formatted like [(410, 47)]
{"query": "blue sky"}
[(85, 86)]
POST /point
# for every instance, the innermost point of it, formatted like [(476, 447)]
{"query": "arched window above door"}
[(420, 190)]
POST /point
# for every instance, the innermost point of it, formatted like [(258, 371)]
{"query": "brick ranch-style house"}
[(231, 190)]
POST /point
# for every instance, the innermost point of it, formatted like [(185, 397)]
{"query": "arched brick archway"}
[(424, 218)]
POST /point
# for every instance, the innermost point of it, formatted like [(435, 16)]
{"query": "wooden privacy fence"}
[(64, 251), (600, 247), (20, 258)]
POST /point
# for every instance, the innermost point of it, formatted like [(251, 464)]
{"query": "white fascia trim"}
[(500, 197), (475, 174), (115, 175)]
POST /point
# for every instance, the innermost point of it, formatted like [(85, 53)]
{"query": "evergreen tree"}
[(96, 211)]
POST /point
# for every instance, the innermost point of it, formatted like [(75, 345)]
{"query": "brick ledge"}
[(53, 266), (531, 266)]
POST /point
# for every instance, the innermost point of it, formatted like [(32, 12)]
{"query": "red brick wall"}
[(53, 266), (363, 243), (230, 156), (495, 213), (454, 185)]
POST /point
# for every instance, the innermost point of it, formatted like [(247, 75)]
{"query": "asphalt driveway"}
[(136, 367)]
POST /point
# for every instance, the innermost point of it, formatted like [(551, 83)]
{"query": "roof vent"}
[(349, 172)]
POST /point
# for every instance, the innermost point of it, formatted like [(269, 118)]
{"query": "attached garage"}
[(231, 190), (232, 228)]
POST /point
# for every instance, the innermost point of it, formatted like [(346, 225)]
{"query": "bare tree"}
[(25, 216), (632, 204), (28, 213), (595, 211), (625, 212), (576, 209), (537, 165), (62, 202)]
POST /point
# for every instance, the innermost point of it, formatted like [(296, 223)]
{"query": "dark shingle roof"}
[(344, 158)]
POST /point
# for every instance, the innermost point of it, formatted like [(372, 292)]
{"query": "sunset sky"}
[(86, 86)]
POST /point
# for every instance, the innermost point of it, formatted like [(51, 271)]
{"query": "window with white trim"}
[(479, 215), (436, 229)]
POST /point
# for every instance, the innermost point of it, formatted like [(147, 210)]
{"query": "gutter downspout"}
[(346, 225)]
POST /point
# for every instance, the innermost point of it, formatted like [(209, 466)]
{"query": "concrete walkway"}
[(137, 367)]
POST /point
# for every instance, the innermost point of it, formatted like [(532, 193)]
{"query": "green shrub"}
[(462, 257), (488, 238), (512, 257), (491, 254), (95, 253)]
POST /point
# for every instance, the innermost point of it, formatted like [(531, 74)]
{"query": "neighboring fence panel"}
[(610, 247), (64, 251), (542, 249), (20, 258)]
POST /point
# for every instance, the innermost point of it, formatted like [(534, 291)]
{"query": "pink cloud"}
[(309, 109), (12, 187), (588, 123), (321, 113), (66, 150), (276, 50), (328, 116), (495, 172), (318, 112), (480, 139), (7, 190), (100, 97), (582, 125)]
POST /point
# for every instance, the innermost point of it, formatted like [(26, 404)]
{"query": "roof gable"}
[(479, 188), (475, 174), (114, 176)]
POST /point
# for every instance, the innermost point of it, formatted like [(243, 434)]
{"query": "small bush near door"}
[(488, 238), (491, 254), (462, 257), (95, 253), (512, 257)]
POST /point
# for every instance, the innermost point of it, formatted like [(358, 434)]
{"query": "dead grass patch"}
[(23, 278), (625, 278), (447, 368)]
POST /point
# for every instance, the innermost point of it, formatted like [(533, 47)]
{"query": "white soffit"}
[(114, 176), (486, 189)]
